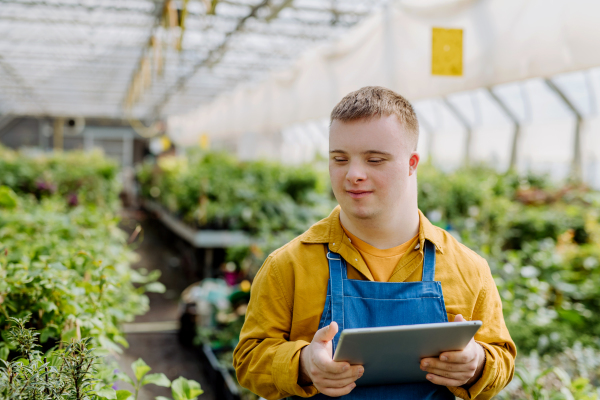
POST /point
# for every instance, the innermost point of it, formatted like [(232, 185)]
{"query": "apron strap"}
[(337, 275), (429, 262)]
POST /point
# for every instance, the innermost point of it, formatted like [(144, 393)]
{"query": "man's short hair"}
[(377, 101)]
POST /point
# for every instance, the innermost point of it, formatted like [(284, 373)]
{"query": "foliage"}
[(75, 278), (215, 191), (573, 374), (63, 259), (77, 177), (66, 373), (181, 388), (74, 372), (542, 243)]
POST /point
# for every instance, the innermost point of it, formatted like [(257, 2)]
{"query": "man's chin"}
[(362, 213)]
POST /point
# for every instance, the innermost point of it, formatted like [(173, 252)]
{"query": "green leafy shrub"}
[(215, 191), (69, 267), (66, 373), (74, 372), (76, 176), (542, 243), (181, 388), (572, 374)]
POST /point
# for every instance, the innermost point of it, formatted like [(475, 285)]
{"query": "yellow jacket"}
[(288, 296)]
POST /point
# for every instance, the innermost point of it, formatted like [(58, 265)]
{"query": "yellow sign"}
[(204, 141), (165, 143), (447, 52)]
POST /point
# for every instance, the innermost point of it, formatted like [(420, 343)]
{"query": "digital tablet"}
[(393, 354)]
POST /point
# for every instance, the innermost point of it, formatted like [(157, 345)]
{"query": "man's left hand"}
[(456, 368)]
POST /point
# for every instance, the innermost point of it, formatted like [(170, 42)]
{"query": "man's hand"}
[(456, 368), (317, 366)]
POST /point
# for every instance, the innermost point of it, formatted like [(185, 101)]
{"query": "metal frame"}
[(75, 57), (465, 123), (516, 124), (576, 163)]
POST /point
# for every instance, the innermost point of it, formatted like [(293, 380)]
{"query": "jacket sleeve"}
[(266, 362), (500, 350)]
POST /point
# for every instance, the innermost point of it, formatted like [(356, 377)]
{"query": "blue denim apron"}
[(364, 304)]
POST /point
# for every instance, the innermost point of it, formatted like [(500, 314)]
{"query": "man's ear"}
[(413, 162)]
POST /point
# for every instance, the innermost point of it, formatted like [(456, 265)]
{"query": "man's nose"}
[(356, 173)]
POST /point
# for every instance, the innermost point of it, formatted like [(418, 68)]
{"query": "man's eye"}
[(375, 160), (339, 159)]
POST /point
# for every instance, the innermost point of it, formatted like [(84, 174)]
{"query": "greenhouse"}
[(207, 199)]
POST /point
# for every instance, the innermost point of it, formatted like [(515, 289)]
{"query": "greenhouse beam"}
[(465, 123), (517, 127), (576, 171), (429, 128)]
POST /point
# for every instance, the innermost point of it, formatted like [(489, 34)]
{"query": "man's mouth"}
[(358, 194)]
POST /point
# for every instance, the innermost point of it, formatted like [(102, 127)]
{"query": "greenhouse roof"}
[(148, 58)]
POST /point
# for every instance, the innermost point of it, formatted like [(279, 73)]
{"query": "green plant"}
[(73, 372), (75, 278), (181, 388), (66, 373), (75, 176), (569, 375), (215, 191), (542, 242)]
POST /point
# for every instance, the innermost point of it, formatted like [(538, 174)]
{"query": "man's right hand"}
[(332, 378)]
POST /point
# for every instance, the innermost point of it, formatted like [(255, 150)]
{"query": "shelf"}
[(205, 238)]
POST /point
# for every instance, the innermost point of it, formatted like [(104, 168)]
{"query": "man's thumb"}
[(459, 318), (327, 333)]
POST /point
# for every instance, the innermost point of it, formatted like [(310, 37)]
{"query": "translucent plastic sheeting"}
[(79, 57), (547, 129), (504, 41)]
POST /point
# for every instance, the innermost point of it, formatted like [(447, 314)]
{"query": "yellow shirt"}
[(288, 296), (381, 262)]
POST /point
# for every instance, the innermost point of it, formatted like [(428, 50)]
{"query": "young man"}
[(293, 322)]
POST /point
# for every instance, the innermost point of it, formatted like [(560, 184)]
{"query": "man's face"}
[(371, 163)]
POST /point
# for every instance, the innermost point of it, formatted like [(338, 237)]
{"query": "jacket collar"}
[(329, 230)]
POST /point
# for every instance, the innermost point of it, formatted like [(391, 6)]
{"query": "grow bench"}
[(205, 239), (220, 378)]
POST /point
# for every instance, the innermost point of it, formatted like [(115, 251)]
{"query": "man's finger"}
[(458, 357), (336, 383), (457, 375), (327, 333), (459, 318), (431, 366), (333, 392), (440, 380), (353, 371), (328, 366)]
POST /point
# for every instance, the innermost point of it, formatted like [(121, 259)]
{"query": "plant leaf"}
[(8, 198), (140, 368), (184, 389), (107, 393), (68, 335), (155, 287), (125, 378), (123, 394), (159, 379)]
